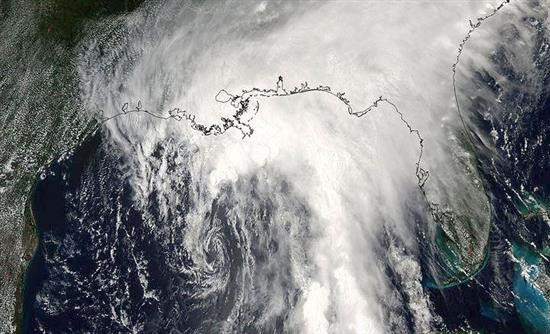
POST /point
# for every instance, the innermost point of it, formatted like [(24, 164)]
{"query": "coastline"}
[(30, 239)]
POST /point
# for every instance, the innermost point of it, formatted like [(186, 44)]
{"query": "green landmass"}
[(42, 117), (463, 222), (63, 20)]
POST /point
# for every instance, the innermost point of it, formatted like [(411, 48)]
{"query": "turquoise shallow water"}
[(533, 308), (459, 303)]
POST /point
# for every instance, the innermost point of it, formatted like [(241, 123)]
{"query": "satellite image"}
[(268, 166)]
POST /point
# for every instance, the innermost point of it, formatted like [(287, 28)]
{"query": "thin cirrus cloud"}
[(355, 176)]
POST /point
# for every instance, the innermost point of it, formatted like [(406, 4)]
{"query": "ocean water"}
[(316, 222)]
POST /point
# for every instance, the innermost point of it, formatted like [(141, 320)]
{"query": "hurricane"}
[(302, 167)]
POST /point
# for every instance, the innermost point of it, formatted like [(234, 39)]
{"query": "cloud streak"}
[(356, 177)]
